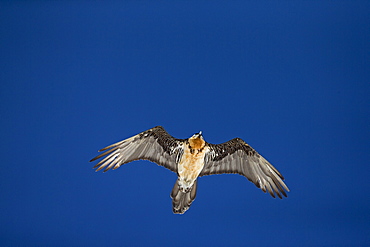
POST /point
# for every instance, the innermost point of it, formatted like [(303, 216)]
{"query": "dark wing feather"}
[(154, 144), (236, 156)]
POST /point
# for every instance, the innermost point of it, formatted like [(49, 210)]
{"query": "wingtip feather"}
[(93, 159)]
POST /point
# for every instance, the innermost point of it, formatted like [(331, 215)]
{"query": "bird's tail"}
[(181, 201)]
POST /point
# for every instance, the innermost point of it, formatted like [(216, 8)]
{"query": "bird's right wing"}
[(154, 144), (236, 156)]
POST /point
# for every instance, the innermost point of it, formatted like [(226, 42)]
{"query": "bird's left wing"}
[(154, 144), (236, 156)]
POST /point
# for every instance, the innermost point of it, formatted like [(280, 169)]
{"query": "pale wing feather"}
[(236, 156), (154, 144)]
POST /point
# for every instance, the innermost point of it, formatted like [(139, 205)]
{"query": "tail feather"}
[(181, 201)]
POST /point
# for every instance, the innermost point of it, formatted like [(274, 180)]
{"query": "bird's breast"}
[(190, 165)]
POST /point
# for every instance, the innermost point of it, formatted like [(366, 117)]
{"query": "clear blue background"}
[(291, 78)]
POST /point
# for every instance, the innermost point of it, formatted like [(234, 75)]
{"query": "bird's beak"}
[(200, 135)]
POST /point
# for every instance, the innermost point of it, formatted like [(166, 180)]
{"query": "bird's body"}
[(191, 158), (191, 163)]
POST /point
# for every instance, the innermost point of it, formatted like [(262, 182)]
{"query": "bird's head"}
[(197, 141)]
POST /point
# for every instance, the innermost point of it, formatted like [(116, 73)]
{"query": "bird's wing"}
[(154, 144), (236, 156)]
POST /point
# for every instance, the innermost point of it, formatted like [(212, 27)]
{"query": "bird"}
[(193, 158)]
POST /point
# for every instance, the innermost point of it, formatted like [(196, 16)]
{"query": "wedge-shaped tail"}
[(181, 201)]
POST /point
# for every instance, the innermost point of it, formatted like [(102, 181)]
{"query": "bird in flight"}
[(192, 158)]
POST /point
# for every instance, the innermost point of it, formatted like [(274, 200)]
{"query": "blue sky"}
[(291, 78)]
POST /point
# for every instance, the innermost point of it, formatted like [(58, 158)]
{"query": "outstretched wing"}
[(154, 144), (236, 156)]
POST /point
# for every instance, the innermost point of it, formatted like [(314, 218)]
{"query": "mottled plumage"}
[(191, 158)]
